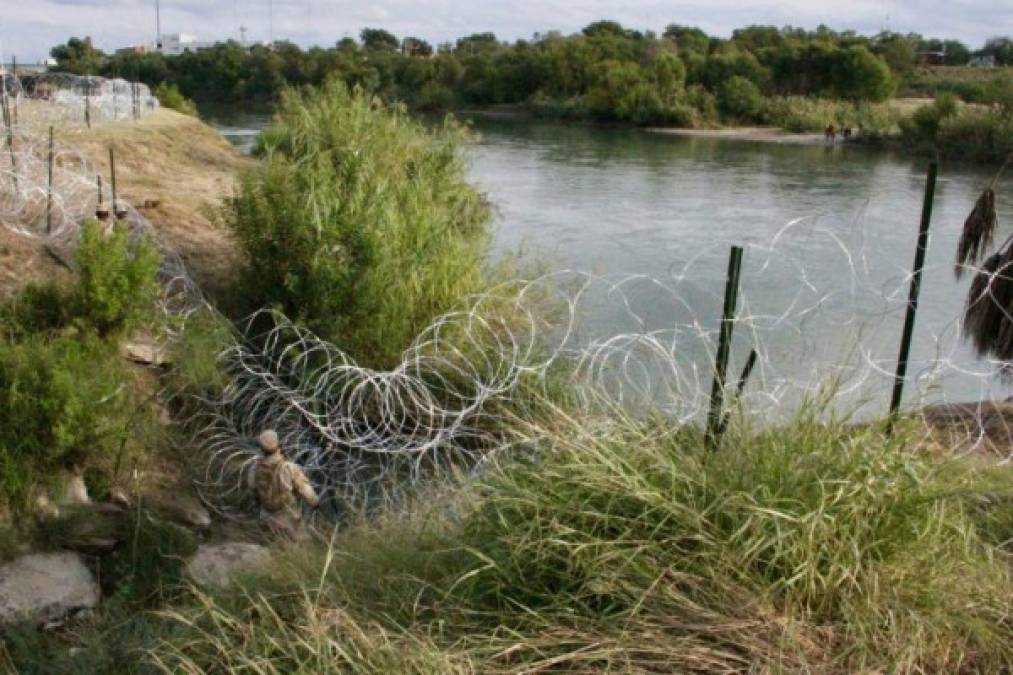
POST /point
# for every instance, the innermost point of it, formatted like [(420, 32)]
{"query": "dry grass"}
[(166, 158), (183, 165)]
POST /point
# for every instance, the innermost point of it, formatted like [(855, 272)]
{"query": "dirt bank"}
[(757, 134), (167, 158)]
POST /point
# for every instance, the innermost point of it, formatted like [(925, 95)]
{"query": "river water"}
[(829, 238)]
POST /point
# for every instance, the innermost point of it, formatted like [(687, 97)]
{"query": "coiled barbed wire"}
[(453, 401)]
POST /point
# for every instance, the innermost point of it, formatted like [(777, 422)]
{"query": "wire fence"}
[(824, 331)]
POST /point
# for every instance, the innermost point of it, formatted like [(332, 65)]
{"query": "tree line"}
[(606, 71)]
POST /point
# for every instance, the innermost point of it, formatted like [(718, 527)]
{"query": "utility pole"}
[(158, 26), (270, 23)]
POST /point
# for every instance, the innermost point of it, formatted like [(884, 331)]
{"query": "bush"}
[(740, 98), (359, 221), (117, 287), (799, 115), (169, 96), (62, 403), (975, 135)]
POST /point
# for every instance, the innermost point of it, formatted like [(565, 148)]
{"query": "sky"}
[(28, 28)]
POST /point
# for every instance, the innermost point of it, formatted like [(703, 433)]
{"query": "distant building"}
[(172, 44), (983, 61), (134, 51), (931, 58)]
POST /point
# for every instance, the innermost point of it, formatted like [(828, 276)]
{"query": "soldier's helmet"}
[(268, 441)]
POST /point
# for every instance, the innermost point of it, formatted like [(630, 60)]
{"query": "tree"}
[(78, 56), (413, 46), (897, 50), (669, 75), (378, 39), (1001, 48), (687, 38), (861, 75), (477, 43), (740, 98), (605, 27)]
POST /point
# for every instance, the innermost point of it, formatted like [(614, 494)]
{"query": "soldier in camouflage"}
[(279, 484)]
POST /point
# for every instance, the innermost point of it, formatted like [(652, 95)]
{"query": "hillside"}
[(166, 158)]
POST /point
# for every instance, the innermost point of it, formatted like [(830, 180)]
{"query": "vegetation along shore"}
[(798, 80), (498, 492)]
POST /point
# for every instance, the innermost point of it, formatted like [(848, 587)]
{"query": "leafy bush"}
[(359, 221), (62, 402), (169, 96), (117, 285), (196, 369), (976, 135), (740, 98), (37, 308)]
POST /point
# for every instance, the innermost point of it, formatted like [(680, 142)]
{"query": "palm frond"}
[(978, 231)]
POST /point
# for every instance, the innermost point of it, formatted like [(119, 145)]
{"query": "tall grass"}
[(804, 114), (622, 545), (359, 221)]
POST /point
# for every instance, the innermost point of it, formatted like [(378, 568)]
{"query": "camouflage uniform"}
[(278, 483)]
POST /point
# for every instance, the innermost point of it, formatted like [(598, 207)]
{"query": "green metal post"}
[(724, 345), (915, 289), (112, 175), (49, 192)]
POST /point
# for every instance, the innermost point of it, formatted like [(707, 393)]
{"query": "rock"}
[(75, 492), (216, 564), (145, 352), (118, 496), (43, 588), (181, 506), (45, 508)]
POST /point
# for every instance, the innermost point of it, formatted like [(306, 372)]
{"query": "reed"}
[(624, 545)]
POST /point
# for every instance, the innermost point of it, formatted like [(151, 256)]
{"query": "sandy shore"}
[(758, 134)]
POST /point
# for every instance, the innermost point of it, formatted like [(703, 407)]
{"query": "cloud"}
[(30, 28)]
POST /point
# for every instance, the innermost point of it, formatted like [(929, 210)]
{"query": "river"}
[(829, 237)]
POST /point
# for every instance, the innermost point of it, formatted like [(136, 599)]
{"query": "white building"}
[(174, 44)]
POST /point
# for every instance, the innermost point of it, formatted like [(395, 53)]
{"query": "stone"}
[(216, 564), (43, 588), (145, 353), (75, 492), (180, 506)]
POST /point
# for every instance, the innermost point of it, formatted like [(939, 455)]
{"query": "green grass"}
[(623, 545), (804, 114)]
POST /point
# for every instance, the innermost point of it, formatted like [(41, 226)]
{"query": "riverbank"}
[(172, 167), (753, 134), (587, 540)]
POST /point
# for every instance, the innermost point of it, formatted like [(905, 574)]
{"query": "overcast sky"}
[(28, 28)]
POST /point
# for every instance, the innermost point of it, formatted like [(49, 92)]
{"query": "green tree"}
[(858, 74), (78, 56), (378, 39), (740, 98)]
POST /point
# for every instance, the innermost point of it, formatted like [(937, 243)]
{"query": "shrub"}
[(62, 402), (169, 96), (196, 369), (976, 135), (800, 114), (740, 98), (37, 308), (117, 285), (359, 221)]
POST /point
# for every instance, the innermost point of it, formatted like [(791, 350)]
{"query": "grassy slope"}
[(166, 156), (624, 547)]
